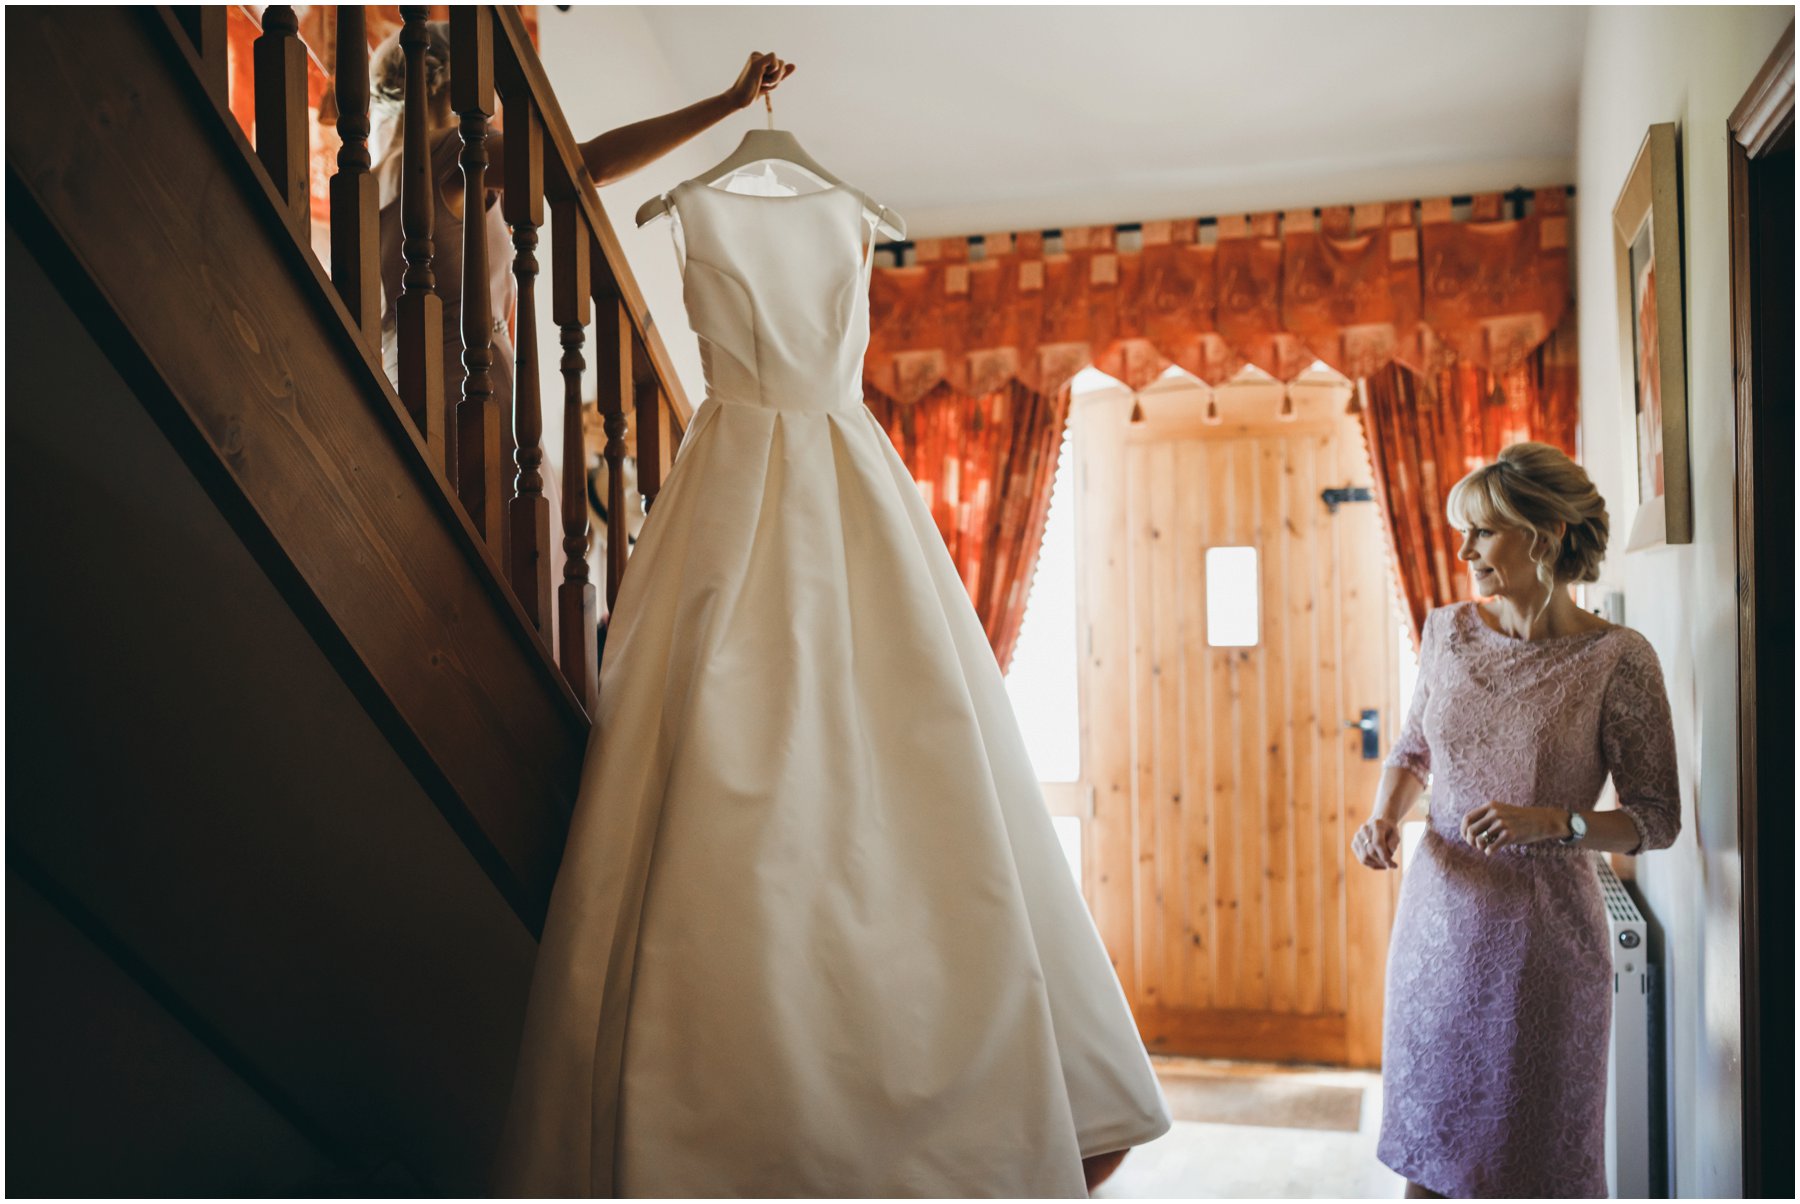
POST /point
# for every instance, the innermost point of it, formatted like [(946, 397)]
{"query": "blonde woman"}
[(1499, 980)]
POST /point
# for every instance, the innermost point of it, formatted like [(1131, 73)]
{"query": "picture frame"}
[(1647, 247)]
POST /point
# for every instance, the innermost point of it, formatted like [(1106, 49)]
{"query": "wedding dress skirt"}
[(813, 933)]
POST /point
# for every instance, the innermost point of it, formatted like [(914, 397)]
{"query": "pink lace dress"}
[(1499, 979)]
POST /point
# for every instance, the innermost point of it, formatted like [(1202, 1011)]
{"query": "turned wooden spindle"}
[(355, 229), (529, 534), (652, 418), (204, 25), (420, 309), (612, 350), (281, 142), (479, 479), (578, 611)]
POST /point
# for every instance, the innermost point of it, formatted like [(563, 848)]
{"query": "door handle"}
[(1370, 725)]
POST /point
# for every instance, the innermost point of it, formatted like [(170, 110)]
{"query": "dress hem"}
[(1111, 1141), (1412, 1178), (1468, 1193)]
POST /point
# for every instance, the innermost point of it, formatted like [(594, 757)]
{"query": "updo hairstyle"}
[(387, 68), (1533, 487)]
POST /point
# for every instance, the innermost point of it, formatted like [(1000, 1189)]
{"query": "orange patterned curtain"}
[(985, 465), (1459, 313)]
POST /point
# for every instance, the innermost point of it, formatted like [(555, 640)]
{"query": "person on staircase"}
[(610, 156)]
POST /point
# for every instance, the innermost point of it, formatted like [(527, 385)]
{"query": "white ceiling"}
[(970, 119)]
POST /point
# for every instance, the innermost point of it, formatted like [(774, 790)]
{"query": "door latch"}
[(1333, 498), (1370, 724)]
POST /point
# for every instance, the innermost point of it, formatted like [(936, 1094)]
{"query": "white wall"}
[(1689, 66)]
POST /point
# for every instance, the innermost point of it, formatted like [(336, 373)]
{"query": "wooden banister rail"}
[(493, 460), (633, 363), (627, 345), (518, 71)]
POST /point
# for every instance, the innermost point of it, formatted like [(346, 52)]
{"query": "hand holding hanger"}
[(761, 75)]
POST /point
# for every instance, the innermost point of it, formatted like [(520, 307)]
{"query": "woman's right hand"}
[(1377, 844), (762, 74)]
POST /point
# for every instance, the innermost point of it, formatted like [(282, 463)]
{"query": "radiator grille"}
[(1619, 907)]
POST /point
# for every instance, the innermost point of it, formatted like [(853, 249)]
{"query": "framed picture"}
[(1647, 244)]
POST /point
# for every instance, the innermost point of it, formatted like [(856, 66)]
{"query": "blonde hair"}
[(387, 66), (387, 100), (1534, 488)]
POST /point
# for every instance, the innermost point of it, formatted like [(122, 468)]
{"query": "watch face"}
[(1577, 827)]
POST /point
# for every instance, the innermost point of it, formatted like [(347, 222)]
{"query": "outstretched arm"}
[(617, 153)]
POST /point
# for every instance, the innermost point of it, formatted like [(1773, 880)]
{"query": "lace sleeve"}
[(1637, 737), (1411, 751)]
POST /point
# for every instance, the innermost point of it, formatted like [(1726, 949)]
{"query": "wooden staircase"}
[(300, 686)]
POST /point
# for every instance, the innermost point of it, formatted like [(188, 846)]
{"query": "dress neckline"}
[(754, 196), (1474, 612)]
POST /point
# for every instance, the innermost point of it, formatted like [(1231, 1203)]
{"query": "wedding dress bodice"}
[(777, 290)]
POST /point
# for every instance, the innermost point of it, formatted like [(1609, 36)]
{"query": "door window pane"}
[(1232, 615)]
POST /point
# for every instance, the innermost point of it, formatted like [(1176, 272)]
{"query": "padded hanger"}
[(760, 145)]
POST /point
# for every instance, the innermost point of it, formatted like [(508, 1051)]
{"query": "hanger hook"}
[(769, 104)]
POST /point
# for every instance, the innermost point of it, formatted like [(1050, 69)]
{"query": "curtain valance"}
[(1358, 287)]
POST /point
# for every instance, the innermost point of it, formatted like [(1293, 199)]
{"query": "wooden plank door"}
[(1226, 782)]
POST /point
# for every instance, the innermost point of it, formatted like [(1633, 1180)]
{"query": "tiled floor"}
[(1241, 1161)]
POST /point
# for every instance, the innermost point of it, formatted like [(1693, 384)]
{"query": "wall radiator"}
[(1628, 1086)]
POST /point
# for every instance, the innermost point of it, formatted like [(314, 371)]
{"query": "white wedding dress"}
[(813, 934)]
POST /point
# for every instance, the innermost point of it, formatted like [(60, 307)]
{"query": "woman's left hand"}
[(1497, 825)]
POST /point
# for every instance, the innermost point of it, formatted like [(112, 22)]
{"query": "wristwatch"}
[(1577, 829)]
